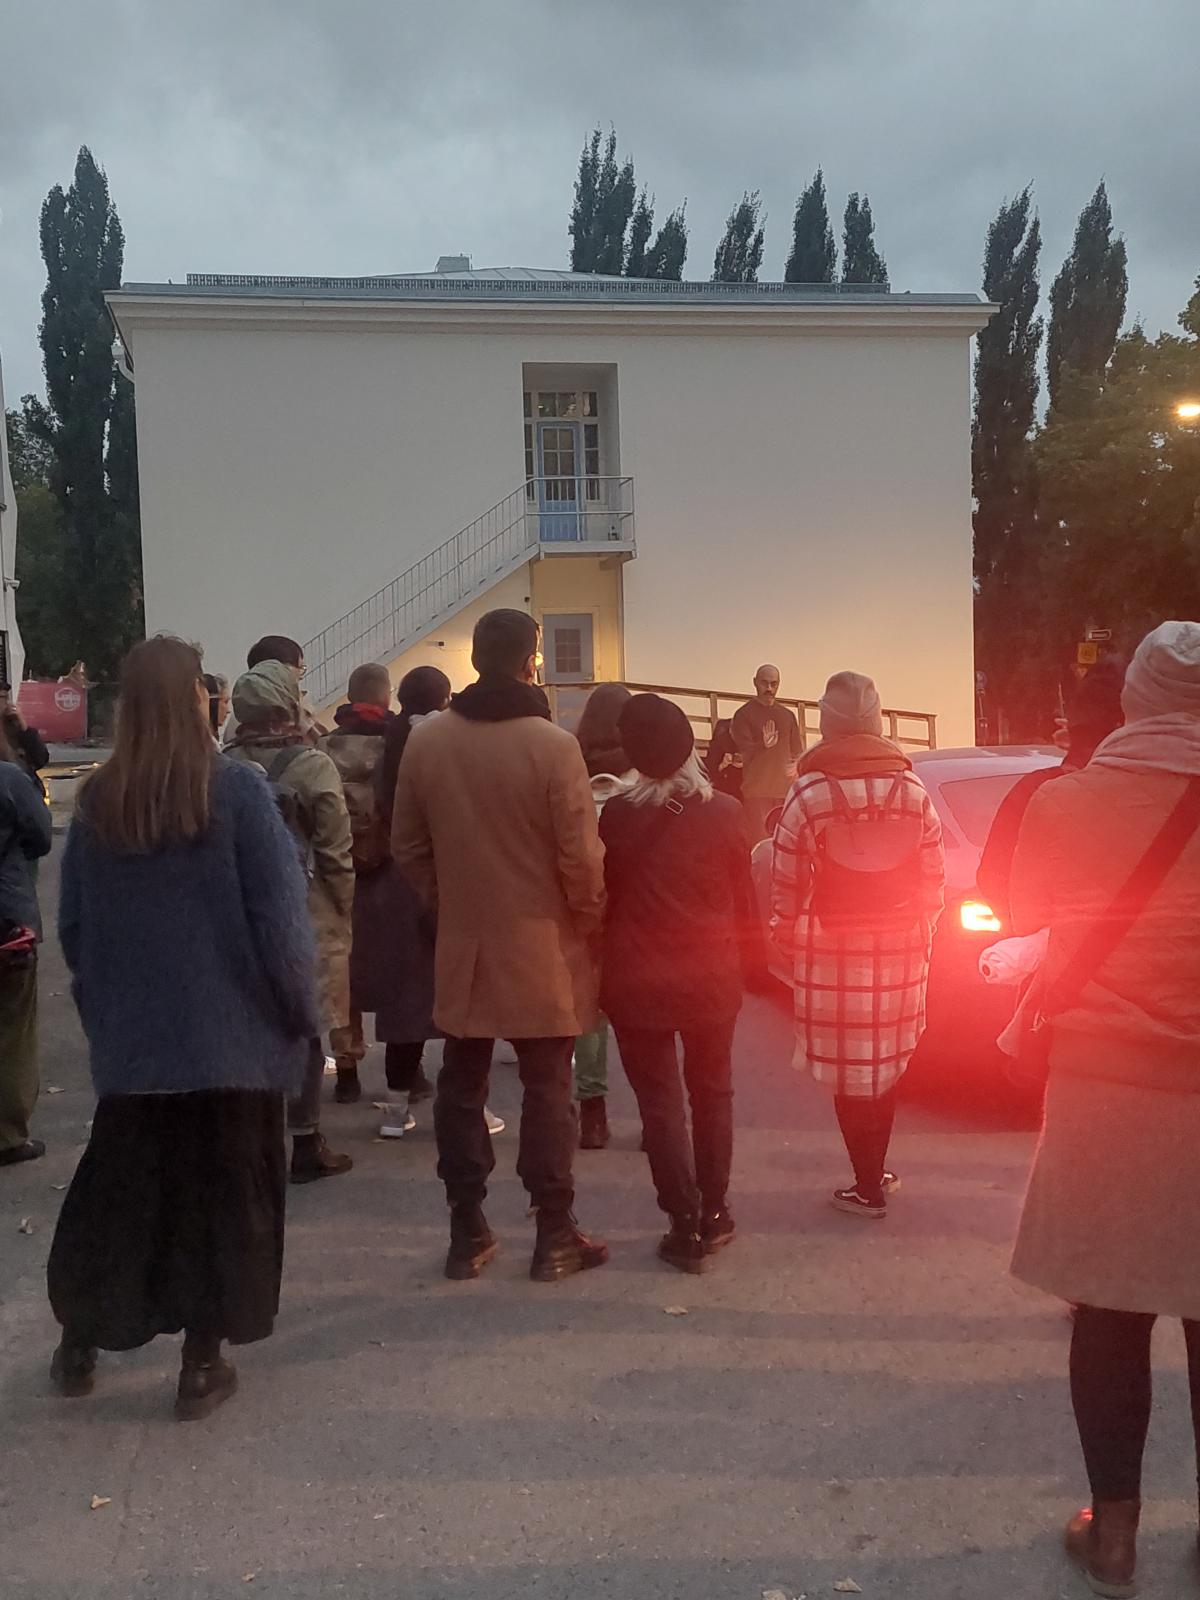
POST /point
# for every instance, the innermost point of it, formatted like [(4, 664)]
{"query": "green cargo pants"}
[(18, 1053), (591, 1063)]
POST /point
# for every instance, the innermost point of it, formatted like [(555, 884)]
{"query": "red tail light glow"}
[(976, 916)]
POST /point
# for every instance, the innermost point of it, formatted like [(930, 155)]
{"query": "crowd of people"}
[(242, 887)]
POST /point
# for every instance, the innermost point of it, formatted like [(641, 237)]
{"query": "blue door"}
[(560, 457)]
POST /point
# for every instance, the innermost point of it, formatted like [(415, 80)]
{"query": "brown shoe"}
[(1102, 1541), (472, 1243), (593, 1123), (203, 1386), (73, 1370), (563, 1250)]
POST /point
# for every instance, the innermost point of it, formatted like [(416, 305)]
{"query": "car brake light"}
[(977, 916)]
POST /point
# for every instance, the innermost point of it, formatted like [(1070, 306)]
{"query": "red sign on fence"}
[(57, 710)]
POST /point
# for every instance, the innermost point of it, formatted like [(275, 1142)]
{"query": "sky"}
[(372, 136)]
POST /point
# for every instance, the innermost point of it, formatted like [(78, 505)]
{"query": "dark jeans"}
[(304, 1109), (690, 1174), (402, 1064), (866, 1126), (548, 1129), (1110, 1391)]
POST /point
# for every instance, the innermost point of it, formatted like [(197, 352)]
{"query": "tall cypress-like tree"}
[(88, 423), (605, 192), (814, 254), (1087, 306), (640, 229), (1007, 567), (667, 254), (861, 261), (740, 252)]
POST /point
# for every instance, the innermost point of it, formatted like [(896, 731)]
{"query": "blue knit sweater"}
[(193, 968)]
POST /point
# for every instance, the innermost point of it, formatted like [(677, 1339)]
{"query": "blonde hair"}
[(153, 789), (682, 785)]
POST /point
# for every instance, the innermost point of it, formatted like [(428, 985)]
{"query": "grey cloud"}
[(293, 135)]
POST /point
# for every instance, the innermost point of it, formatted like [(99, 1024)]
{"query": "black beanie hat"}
[(656, 735)]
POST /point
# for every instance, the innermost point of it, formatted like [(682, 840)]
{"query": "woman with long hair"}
[(183, 922), (609, 768), (681, 939), (24, 836)]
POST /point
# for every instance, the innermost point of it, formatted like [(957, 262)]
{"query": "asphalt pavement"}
[(838, 1400)]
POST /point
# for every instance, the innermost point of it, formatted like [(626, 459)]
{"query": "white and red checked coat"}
[(860, 997)]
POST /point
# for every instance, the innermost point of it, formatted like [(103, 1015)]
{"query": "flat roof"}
[(525, 284)]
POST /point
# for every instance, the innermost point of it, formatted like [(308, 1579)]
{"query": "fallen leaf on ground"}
[(59, 1186), (847, 1586), (25, 1226), (54, 1089), (249, 1577), (99, 1500), (676, 1311), (774, 1594)]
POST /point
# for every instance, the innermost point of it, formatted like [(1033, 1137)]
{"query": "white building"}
[(678, 479)]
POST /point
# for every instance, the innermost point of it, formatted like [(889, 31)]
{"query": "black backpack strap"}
[(284, 760), (1106, 933)]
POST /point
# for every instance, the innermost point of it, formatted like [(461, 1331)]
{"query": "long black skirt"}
[(174, 1220)]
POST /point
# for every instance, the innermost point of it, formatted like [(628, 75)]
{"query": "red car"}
[(965, 1014)]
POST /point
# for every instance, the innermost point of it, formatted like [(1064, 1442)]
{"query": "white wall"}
[(800, 497)]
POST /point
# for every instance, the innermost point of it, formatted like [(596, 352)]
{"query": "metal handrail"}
[(707, 719), (534, 516)]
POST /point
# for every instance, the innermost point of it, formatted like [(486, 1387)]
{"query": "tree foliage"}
[(640, 229), (861, 261), (814, 255), (666, 256), (1087, 306), (604, 202), (740, 251), (92, 585)]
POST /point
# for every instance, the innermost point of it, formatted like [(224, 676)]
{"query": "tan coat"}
[(495, 826), (1112, 1217)]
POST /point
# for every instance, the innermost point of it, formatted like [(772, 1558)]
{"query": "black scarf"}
[(496, 698)]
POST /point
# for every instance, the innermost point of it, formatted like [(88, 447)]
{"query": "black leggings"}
[(866, 1126), (402, 1063), (1110, 1390)]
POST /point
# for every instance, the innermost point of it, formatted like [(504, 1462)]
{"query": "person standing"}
[(25, 836), (681, 935), (495, 826), (182, 920), (219, 703), (608, 767), (857, 886), (1109, 860), (29, 748), (266, 703), (767, 737)]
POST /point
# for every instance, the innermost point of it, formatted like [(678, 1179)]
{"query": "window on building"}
[(568, 651)]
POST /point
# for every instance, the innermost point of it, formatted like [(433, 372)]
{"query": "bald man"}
[(767, 737)]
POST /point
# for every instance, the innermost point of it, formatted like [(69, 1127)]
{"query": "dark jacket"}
[(32, 753), (994, 877), (357, 747), (193, 968), (24, 836), (681, 933)]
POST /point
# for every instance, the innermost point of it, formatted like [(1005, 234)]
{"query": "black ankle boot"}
[(717, 1228), (73, 1370), (472, 1243), (682, 1247), (562, 1249), (348, 1088), (593, 1123), (204, 1384)]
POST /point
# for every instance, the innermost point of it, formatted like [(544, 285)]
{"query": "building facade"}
[(678, 480)]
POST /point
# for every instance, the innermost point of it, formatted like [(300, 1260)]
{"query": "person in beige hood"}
[(495, 826), (1108, 859), (267, 705)]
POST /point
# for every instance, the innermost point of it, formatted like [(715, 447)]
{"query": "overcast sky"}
[(371, 136)]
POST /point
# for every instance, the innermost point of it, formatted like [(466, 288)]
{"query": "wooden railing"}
[(915, 730)]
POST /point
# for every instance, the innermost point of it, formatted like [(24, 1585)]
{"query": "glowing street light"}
[(1188, 411)]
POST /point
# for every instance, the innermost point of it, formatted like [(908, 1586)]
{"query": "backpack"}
[(359, 760), (868, 866), (290, 806)]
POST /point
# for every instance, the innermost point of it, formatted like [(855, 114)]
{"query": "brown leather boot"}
[(562, 1249), (1102, 1541)]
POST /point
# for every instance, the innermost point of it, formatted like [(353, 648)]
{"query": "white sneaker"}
[(397, 1118), (495, 1124)]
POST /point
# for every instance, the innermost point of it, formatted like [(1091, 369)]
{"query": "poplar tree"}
[(740, 252), (1087, 307), (861, 261), (814, 254)]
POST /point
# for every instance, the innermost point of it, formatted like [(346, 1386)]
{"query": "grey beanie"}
[(850, 704), (1164, 675)]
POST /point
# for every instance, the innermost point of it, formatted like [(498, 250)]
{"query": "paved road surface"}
[(842, 1399)]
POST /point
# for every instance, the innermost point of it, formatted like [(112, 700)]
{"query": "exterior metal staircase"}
[(543, 516)]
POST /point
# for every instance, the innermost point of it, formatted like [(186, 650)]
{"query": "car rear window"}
[(974, 802)]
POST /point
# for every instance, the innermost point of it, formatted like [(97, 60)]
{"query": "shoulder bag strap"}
[(1105, 934)]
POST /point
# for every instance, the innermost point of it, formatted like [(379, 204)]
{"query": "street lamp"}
[(1188, 411)]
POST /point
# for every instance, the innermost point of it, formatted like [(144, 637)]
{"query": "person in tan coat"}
[(495, 826), (1112, 1218)]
